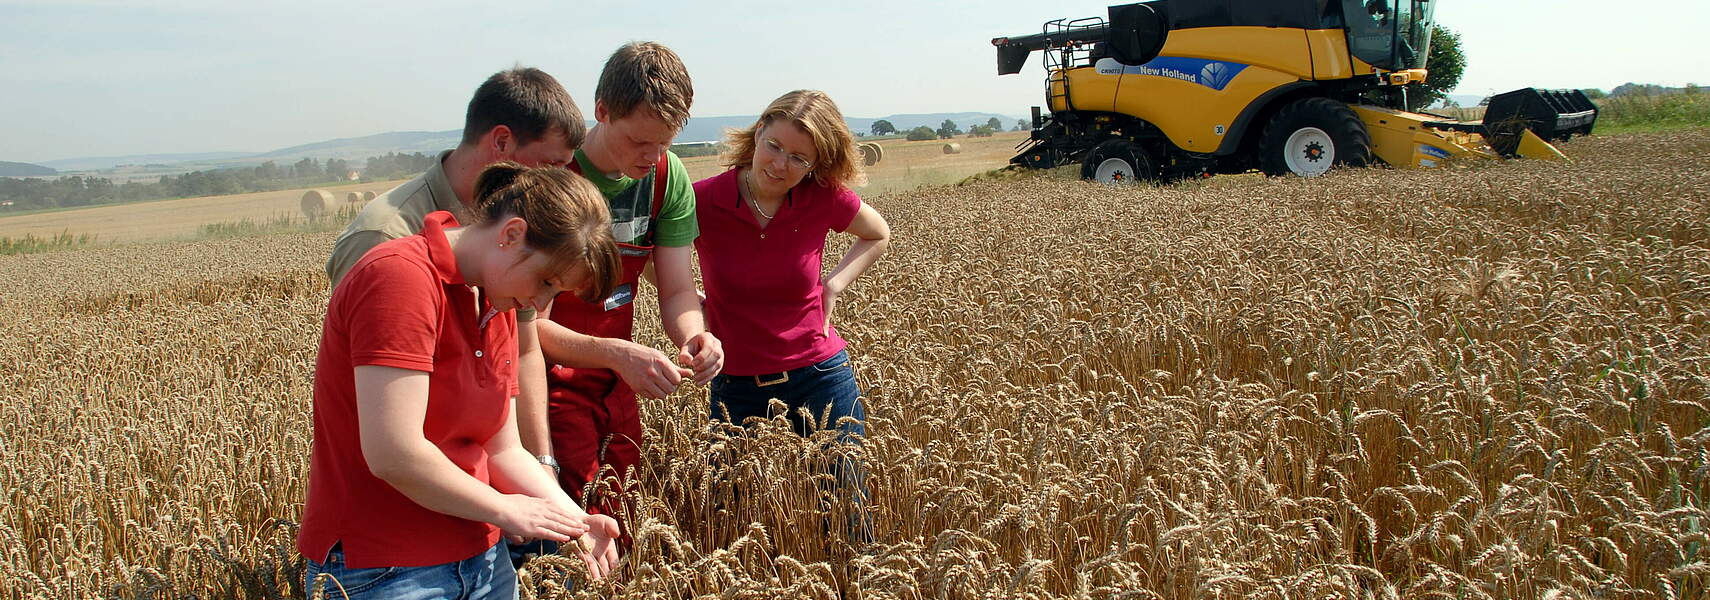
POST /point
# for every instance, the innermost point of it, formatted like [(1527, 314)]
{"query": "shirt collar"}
[(439, 187), (591, 172), (439, 248)]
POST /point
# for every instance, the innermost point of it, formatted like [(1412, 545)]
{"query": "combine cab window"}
[(1413, 32), (1370, 34), (1389, 34)]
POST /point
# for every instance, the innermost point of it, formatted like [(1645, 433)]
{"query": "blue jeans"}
[(485, 576), (828, 384)]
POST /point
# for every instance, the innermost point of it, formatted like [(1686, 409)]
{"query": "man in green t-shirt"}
[(592, 419)]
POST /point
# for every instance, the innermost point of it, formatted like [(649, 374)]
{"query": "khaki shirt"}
[(395, 214), (399, 213)]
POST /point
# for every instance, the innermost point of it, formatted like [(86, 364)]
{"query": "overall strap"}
[(661, 178)]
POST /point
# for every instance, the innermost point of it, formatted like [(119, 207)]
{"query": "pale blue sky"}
[(106, 77)]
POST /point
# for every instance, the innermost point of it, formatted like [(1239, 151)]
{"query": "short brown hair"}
[(816, 114), (566, 215), (646, 74), (529, 102)]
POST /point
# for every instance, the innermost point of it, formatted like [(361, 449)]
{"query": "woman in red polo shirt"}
[(416, 469), (763, 228)]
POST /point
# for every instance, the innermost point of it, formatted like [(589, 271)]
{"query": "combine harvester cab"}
[(1168, 89)]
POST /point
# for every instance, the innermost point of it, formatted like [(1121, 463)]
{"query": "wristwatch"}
[(548, 460)]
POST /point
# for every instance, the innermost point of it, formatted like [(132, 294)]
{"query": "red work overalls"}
[(592, 414)]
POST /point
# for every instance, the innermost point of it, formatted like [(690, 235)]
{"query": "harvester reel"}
[(1118, 162), (1311, 135)]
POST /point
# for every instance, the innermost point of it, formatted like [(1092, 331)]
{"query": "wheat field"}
[(1486, 381)]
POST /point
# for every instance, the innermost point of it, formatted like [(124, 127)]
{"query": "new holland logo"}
[(1214, 75)]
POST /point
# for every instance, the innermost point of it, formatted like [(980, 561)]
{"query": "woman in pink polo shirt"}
[(416, 470), (763, 228)]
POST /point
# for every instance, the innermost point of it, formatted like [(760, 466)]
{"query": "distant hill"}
[(107, 162), (18, 169), (698, 129), (357, 148)]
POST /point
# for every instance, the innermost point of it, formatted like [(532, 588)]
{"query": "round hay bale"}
[(869, 156), (353, 197), (952, 148), (368, 195), (880, 149), (317, 203)]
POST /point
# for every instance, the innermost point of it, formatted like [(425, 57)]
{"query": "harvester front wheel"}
[(1118, 162), (1311, 135)]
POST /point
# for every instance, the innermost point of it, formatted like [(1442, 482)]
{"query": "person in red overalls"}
[(592, 418)]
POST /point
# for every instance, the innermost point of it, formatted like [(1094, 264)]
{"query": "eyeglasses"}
[(796, 160)]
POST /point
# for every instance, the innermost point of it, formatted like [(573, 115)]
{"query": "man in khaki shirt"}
[(520, 115)]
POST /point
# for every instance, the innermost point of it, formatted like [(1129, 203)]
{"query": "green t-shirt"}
[(632, 204)]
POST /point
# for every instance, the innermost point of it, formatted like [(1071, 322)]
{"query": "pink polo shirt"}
[(763, 285)]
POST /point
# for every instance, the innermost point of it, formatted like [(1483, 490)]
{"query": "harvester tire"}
[(1311, 135), (1118, 162)]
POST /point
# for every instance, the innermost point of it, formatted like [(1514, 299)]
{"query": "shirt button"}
[(762, 236), (477, 354)]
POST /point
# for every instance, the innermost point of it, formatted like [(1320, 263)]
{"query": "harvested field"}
[(170, 219), (907, 165), (1489, 381)]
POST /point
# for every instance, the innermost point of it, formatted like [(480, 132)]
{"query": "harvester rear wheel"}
[(1118, 162), (1311, 135)]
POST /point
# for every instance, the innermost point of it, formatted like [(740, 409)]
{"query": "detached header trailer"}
[(1168, 89)]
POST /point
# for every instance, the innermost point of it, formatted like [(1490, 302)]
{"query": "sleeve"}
[(845, 204), (393, 311), (677, 226), (348, 249)]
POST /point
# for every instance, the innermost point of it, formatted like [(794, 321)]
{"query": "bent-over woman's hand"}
[(523, 518)]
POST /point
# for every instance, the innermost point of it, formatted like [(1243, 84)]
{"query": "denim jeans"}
[(520, 553), (828, 383), (485, 576)]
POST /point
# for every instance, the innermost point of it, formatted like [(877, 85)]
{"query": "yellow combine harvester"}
[(1179, 88)]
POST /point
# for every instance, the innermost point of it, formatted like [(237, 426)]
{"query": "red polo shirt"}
[(763, 285), (405, 305)]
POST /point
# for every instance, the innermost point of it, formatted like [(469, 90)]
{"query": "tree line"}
[(84, 190), (946, 130)]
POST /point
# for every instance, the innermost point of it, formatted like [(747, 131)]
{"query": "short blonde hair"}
[(816, 114)]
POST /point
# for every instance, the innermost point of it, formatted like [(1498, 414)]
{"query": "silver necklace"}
[(748, 186)]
